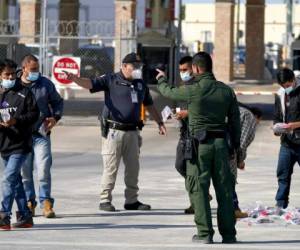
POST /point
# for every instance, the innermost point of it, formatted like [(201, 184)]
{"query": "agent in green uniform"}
[(213, 110)]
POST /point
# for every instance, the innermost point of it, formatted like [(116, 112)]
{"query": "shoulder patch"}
[(140, 86)]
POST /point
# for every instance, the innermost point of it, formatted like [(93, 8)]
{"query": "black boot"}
[(23, 221), (189, 210), (229, 240), (137, 206), (4, 221)]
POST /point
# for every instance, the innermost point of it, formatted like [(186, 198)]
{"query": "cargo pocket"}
[(191, 184), (109, 144)]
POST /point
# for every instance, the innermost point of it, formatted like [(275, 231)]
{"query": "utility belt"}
[(122, 126), (107, 124), (200, 137)]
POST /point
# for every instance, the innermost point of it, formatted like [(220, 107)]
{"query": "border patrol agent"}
[(212, 107), (125, 92)]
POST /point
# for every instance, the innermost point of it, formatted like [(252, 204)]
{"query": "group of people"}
[(215, 133), (30, 107)]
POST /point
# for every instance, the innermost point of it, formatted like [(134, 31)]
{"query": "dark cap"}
[(132, 58)]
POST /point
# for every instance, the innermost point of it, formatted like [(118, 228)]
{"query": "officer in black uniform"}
[(125, 92)]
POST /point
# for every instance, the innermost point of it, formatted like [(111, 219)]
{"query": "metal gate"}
[(93, 41)]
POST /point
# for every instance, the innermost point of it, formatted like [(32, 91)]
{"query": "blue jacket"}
[(48, 100)]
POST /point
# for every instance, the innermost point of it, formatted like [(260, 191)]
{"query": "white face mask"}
[(137, 74), (7, 84), (185, 76), (33, 76), (289, 90)]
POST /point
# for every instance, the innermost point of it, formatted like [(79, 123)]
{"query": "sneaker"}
[(229, 241), (48, 209), (239, 214), (4, 222), (189, 210), (31, 205), (23, 222), (137, 206), (207, 240), (107, 206)]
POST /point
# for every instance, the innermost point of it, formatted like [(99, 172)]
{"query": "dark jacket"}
[(288, 113), (20, 103), (48, 100), (118, 104)]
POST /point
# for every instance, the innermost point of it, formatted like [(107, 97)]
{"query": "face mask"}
[(289, 90), (185, 76), (33, 76), (7, 84), (137, 74)]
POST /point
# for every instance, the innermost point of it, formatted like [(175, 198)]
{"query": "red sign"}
[(148, 18), (69, 64), (172, 10)]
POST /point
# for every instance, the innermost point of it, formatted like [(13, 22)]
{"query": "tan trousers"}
[(117, 145)]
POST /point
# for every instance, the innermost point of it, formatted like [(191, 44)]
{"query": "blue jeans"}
[(12, 186), (41, 156), (288, 156)]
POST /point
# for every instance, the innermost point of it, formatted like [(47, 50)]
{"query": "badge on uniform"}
[(134, 97)]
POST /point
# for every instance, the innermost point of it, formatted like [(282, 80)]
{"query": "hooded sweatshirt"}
[(20, 104)]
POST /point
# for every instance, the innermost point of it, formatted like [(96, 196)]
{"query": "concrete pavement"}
[(80, 225)]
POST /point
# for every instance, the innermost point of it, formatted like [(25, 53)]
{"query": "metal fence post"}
[(43, 34)]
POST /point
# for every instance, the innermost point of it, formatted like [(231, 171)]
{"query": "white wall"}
[(201, 17)]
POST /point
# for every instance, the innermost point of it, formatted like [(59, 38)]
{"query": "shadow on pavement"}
[(153, 212), (89, 226), (270, 242), (156, 212)]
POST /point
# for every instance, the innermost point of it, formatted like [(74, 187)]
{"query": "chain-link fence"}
[(94, 42)]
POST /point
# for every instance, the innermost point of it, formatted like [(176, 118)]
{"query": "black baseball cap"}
[(132, 58)]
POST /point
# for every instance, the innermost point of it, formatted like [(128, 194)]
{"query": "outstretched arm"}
[(85, 83), (174, 93)]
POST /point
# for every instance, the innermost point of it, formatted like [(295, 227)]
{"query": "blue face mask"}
[(185, 76), (7, 84), (289, 90), (33, 76)]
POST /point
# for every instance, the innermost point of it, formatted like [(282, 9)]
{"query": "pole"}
[(43, 28), (289, 17), (238, 25), (179, 24), (289, 27), (178, 42)]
